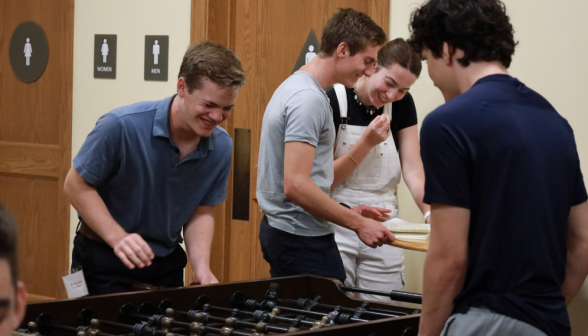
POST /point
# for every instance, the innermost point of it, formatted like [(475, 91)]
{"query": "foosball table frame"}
[(313, 289)]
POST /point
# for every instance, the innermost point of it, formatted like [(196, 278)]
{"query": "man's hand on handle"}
[(370, 232), (204, 277), (133, 251)]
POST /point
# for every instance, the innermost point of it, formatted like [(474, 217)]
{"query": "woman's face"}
[(389, 84)]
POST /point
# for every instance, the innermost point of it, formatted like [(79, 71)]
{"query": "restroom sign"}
[(28, 51), (309, 51), (105, 56), (156, 57)]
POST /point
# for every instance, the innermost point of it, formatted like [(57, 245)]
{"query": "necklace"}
[(368, 109)]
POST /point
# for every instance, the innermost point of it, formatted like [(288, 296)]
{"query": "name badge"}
[(75, 284)]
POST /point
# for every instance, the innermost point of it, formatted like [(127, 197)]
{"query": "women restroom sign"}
[(105, 56)]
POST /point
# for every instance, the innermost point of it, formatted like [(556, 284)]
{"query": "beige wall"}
[(549, 59), (130, 20)]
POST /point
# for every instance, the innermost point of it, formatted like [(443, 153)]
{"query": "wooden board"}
[(33, 298), (421, 247)]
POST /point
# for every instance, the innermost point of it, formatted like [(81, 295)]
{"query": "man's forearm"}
[(442, 282), (312, 199), (85, 199), (576, 270), (198, 235), (445, 266), (577, 261)]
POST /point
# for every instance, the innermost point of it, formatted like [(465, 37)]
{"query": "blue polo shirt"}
[(132, 161), (502, 151)]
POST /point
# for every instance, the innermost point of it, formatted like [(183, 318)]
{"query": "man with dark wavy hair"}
[(509, 239)]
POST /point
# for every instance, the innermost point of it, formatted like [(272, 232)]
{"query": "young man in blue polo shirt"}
[(509, 218), (151, 169)]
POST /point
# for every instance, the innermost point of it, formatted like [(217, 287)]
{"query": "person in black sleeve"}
[(509, 223), (377, 140)]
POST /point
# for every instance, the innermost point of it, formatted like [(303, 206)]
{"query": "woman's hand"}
[(378, 130)]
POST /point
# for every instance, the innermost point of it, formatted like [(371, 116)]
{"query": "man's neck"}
[(468, 76), (180, 133), (323, 70)]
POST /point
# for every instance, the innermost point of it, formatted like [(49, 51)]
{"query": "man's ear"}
[(451, 54), (448, 53), (342, 50), (20, 305), (181, 86)]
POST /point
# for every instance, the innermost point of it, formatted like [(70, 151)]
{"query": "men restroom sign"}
[(156, 57), (28, 51), (308, 52), (105, 56)]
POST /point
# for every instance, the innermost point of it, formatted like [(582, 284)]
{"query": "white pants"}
[(377, 269)]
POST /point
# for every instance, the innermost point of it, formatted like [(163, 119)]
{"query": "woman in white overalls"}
[(377, 140)]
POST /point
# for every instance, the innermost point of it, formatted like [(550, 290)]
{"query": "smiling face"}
[(12, 301), (351, 68), (203, 109), (389, 84)]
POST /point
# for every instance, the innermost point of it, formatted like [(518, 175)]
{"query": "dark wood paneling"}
[(35, 143)]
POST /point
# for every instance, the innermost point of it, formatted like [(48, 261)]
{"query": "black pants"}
[(290, 254), (105, 273)]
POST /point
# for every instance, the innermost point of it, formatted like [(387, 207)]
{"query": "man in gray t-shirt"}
[(296, 156)]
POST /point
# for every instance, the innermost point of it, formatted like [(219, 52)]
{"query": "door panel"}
[(35, 144)]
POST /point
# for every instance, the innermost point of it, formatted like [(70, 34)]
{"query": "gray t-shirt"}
[(298, 111)]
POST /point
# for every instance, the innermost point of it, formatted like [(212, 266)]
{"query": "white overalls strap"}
[(341, 98)]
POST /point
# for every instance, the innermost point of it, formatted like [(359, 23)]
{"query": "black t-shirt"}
[(403, 113), (502, 151)]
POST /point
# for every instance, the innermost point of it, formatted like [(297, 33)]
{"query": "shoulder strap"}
[(342, 99)]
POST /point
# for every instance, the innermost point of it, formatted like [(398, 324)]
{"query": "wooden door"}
[(267, 36), (35, 144)]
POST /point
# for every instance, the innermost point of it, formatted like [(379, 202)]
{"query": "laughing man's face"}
[(12, 301)]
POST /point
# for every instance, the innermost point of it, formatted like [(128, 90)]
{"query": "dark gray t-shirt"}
[(298, 111)]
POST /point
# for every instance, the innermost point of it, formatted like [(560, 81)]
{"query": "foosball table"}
[(300, 305)]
